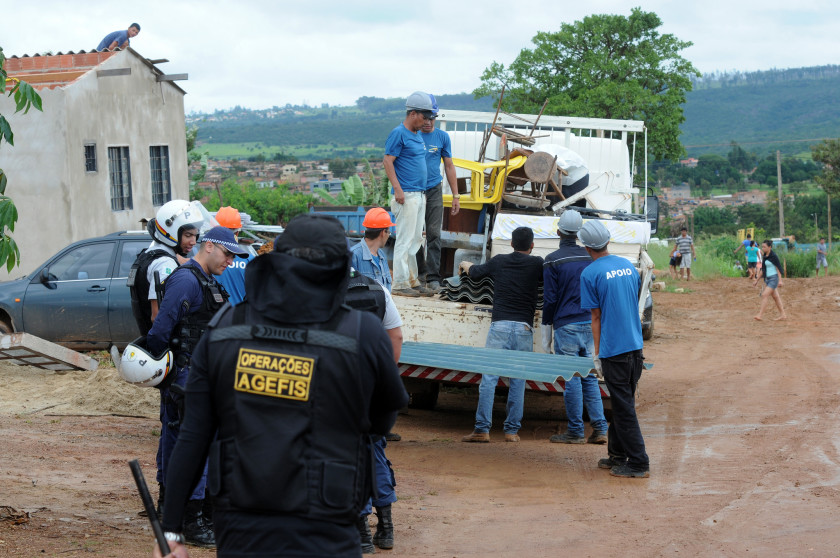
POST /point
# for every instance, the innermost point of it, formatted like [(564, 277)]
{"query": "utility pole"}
[(781, 204)]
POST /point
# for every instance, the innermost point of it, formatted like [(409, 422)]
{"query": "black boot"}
[(384, 536), (196, 531), (364, 532), (161, 492), (207, 513)]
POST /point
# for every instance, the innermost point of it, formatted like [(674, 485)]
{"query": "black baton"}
[(149, 505)]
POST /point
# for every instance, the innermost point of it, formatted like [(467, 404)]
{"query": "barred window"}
[(119, 169), (159, 162), (90, 157)]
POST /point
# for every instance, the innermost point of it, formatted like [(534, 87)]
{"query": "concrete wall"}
[(58, 202)]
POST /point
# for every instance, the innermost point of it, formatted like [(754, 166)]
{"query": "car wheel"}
[(647, 330), (425, 400), (6, 328)]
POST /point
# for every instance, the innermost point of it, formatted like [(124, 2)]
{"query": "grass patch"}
[(711, 262), (715, 258)]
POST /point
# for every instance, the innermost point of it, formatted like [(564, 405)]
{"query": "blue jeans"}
[(576, 340), (514, 336)]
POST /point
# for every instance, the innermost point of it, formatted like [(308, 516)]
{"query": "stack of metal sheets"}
[(464, 289)]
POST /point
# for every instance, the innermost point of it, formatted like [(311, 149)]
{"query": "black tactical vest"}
[(294, 419), (366, 294), (138, 285), (188, 331)]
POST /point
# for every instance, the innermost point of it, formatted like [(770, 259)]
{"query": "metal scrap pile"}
[(464, 289)]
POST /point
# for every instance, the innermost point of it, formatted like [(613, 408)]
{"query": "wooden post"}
[(781, 204)]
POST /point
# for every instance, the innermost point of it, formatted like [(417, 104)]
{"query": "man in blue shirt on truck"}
[(438, 149), (405, 165)]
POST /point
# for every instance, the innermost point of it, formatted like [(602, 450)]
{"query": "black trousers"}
[(622, 373), (241, 534)]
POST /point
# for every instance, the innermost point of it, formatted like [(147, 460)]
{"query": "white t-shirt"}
[(164, 265), (392, 317)]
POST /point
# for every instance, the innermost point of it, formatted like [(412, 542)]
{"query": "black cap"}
[(314, 237)]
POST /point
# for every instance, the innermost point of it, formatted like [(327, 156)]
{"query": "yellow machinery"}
[(742, 234)]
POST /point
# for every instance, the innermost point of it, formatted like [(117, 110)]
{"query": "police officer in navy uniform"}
[(191, 298), (295, 382)]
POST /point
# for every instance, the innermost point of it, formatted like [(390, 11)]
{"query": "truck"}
[(496, 197)]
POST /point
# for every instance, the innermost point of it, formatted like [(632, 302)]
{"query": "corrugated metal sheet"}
[(538, 367), (465, 289)]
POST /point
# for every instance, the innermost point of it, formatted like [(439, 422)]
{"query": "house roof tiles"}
[(54, 70), (61, 69)]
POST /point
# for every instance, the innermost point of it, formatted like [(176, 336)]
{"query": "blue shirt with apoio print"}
[(612, 284)]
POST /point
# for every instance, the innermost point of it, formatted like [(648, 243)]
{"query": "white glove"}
[(599, 372), (547, 333), (464, 267)]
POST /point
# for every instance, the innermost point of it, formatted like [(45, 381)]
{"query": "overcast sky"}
[(261, 53)]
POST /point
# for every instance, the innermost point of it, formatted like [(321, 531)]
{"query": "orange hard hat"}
[(229, 218), (377, 218)]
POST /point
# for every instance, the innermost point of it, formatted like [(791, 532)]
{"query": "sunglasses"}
[(228, 254)]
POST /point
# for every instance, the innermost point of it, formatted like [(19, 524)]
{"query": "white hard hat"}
[(140, 368), (420, 101), (569, 222), (593, 234), (174, 216)]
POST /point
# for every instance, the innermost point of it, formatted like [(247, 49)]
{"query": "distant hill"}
[(762, 111), (772, 107)]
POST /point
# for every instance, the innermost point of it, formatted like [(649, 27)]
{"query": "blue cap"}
[(224, 237)]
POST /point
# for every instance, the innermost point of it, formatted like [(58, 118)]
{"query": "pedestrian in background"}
[(753, 257), (685, 245), (822, 260), (771, 270)]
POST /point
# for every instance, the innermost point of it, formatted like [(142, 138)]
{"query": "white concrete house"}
[(108, 149)]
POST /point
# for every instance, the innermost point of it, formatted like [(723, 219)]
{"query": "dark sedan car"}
[(78, 298)]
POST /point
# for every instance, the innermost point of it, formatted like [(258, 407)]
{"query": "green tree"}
[(267, 206), (342, 168), (606, 66), (194, 155), (827, 152), (25, 98), (740, 159)]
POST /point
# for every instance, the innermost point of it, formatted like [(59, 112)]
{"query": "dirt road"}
[(740, 420)]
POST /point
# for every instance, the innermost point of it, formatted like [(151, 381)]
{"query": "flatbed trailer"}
[(425, 366)]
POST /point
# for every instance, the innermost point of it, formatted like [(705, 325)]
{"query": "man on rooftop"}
[(119, 39)]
